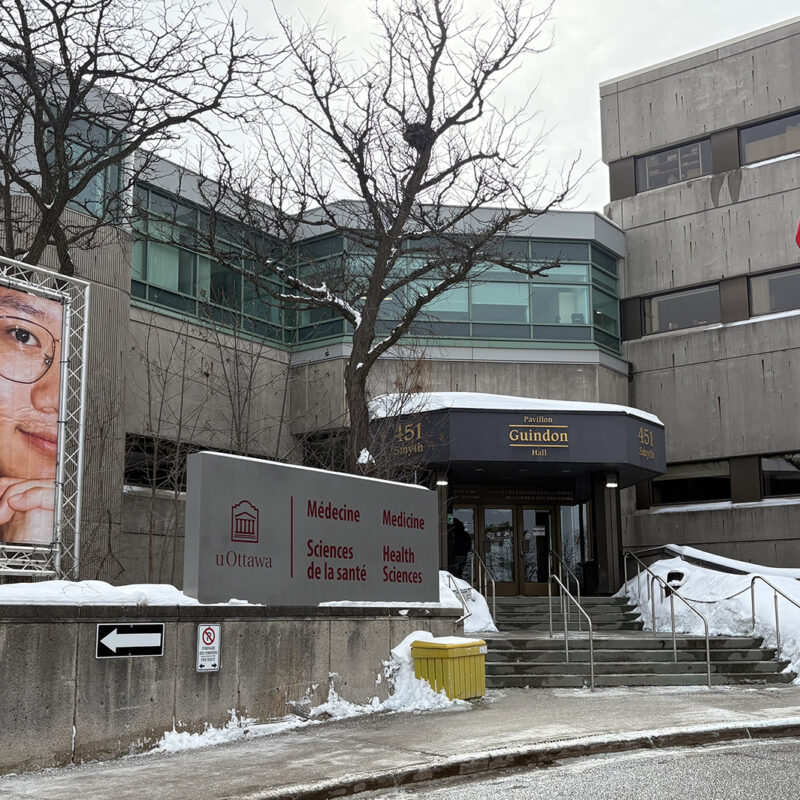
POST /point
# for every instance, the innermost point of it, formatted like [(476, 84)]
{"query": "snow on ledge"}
[(387, 405), (745, 567), (722, 505)]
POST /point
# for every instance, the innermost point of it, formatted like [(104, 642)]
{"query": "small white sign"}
[(208, 639), (538, 530)]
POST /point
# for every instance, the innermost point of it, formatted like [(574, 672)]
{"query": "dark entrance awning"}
[(480, 438)]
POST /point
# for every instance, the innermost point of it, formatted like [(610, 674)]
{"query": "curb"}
[(540, 754)]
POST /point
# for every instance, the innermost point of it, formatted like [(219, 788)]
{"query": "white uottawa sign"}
[(285, 535), (208, 648)]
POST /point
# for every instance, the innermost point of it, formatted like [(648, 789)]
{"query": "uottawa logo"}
[(244, 522)]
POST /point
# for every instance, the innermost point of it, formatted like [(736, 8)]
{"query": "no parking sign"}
[(208, 640)]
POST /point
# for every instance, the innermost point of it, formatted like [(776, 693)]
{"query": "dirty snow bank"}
[(725, 600), (408, 693)]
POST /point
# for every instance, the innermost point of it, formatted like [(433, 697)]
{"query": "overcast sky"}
[(594, 41)]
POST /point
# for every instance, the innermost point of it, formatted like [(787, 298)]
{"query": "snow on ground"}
[(407, 693), (725, 601)]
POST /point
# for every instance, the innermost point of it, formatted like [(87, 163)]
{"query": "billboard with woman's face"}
[(30, 354)]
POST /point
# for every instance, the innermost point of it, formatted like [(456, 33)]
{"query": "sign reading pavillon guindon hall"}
[(286, 535)]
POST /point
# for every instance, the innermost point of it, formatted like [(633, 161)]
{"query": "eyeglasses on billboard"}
[(27, 350)]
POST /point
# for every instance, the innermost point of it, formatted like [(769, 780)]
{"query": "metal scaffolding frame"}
[(61, 558)]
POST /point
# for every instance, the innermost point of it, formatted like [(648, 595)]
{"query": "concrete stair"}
[(523, 655)]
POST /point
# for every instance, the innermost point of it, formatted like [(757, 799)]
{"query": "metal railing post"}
[(580, 610), (776, 591)]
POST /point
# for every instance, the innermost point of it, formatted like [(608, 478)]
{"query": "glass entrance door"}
[(516, 541), (537, 540), (499, 550)]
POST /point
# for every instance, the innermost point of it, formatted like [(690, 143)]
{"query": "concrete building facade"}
[(704, 164)]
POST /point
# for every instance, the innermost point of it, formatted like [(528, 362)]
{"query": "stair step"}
[(523, 654), (577, 681), (755, 668), (510, 656), (542, 600), (630, 625), (543, 615), (646, 641)]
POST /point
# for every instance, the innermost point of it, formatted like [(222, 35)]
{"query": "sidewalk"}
[(508, 728)]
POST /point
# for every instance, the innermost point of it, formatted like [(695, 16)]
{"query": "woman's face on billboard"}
[(30, 350)]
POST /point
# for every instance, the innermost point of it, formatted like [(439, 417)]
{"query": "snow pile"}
[(409, 693), (479, 621), (725, 601), (175, 741), (99, 593), (95, 593), (745, 567)]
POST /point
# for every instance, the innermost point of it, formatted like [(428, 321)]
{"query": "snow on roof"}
[(388, 405)]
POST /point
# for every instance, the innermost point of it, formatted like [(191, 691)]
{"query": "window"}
[(559, 251), (688, 309), (605, 312), (560, 305), (697, 482), (168, 270), (604, 260), (156, 463), (87, 143), (777, 291), (778, 137), (500, 302), (780, 475), (673, 166)]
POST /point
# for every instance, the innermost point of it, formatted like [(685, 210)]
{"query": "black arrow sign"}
[(128, 640)]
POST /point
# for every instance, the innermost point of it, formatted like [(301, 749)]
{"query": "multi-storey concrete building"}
[(704, 160), (699, 242)]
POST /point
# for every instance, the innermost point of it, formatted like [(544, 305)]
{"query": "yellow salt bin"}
[(454, 664)]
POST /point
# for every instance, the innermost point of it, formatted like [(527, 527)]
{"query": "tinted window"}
[(682, 310), (700, 481), (778, 291), (777, 137), (781, 475), (673, 166)]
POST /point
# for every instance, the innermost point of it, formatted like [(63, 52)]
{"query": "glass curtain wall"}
[(170, 271), (572, 299)]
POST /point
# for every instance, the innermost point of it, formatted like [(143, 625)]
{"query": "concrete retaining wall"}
[(60, 704)]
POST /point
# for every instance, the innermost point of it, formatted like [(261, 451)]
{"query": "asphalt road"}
[(749, 770)]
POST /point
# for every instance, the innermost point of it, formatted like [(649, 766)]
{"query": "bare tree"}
[(85, 87), (407, 157)]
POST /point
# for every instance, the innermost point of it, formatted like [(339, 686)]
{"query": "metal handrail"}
[(641, 563), (777, 592), (672, 593), (564, 606), (483, 574), (566, 594), (451, 582)]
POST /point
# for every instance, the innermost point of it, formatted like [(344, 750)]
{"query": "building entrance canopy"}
[(484, 437)]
